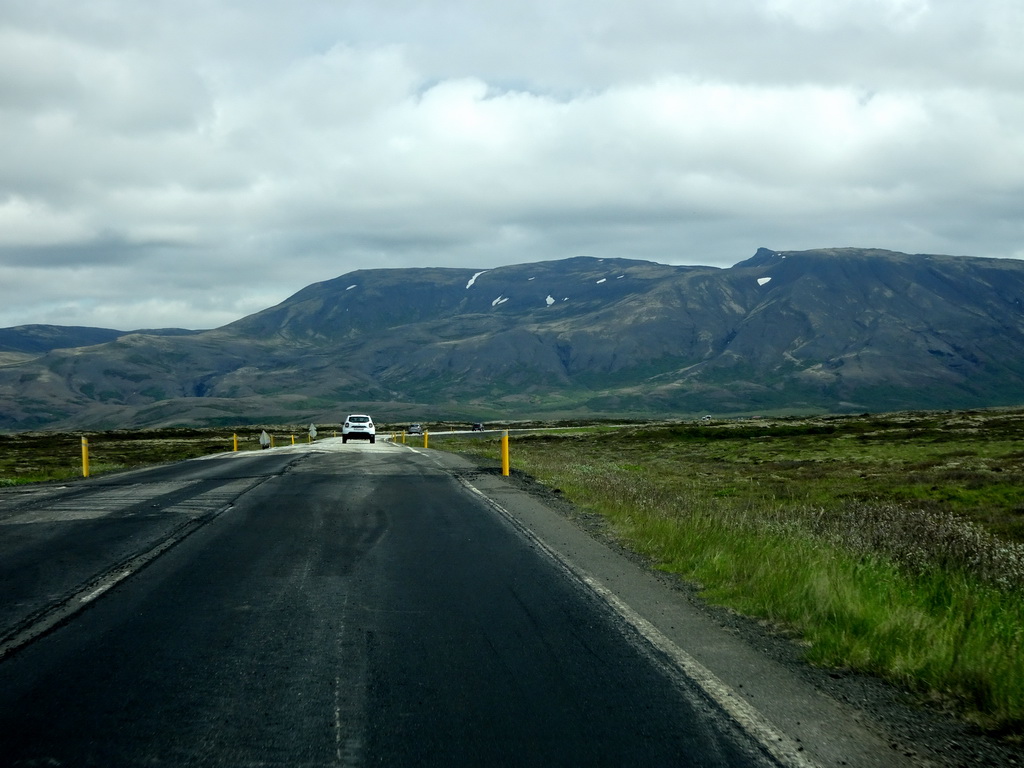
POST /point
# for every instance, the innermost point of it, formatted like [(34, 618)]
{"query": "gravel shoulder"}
[(839, 717)]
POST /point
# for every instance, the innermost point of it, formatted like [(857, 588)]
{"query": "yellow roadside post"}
[(85, 457), (426, 437), (504, 454), (293, 439), (235, 441)]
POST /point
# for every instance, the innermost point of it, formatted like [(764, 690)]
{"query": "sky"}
[(184, 163)]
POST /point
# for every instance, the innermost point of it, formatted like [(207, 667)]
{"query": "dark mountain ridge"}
[(801, 331), (43, 338)]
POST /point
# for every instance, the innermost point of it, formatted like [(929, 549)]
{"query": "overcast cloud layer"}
[(185, 162)]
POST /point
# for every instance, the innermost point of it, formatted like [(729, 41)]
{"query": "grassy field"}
[(34, 457), (889, 544)]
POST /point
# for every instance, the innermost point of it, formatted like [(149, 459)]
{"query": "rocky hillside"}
[(826, 330)]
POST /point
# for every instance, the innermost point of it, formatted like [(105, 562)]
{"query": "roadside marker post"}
[(85, 457), (426, 437), (504, 454), (234, 439)]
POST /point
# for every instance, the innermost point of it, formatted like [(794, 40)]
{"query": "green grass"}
[(889, 545), (35, 457)]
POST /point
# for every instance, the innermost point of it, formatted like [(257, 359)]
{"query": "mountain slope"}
[(832, 330), (35, 339), (43, 338)]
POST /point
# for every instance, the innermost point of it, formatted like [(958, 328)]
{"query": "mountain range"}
[(828, 330)]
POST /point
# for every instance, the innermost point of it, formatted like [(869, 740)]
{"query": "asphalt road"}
[(352, 605)]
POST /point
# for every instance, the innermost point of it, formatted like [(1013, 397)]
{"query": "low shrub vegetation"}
[(33, 457), (890, 545)]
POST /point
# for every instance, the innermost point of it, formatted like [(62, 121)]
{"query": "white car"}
[(358, 426)]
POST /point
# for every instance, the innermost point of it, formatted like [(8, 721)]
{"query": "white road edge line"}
[(105, 586), (56, 614), (779, 745)]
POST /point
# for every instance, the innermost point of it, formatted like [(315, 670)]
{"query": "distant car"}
[(358, 426), (415, 429), (478, 427)]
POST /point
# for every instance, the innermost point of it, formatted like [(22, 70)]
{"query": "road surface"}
[(353, 605)]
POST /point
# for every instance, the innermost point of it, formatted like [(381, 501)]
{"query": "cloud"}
[(177, 162), (841, 14)]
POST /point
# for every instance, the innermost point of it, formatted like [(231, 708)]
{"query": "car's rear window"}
[(360, 419)]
